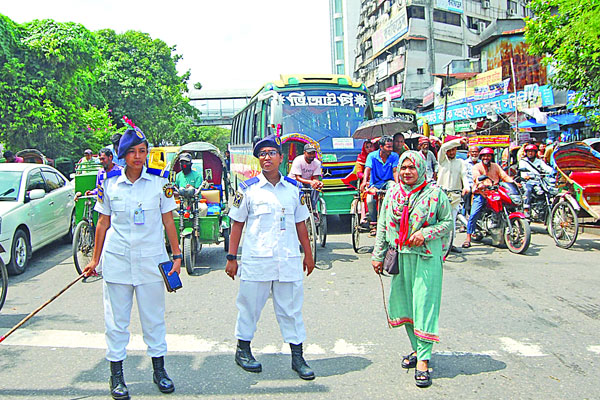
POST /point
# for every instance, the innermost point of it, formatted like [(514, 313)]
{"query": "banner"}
[(500, 104), (395, 91), (490, 140), (390, 31), (450, 5)]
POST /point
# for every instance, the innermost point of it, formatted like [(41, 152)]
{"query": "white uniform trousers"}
[(118, 299), (287, 302)]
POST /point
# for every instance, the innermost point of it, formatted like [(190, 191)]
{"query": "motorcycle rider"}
[(495, 174), (531, 167)]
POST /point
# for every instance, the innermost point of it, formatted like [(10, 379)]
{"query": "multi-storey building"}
[(343, 18), (403, 44)]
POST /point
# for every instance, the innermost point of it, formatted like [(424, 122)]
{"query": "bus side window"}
[(234, 132), (265, 119), (248, 133)]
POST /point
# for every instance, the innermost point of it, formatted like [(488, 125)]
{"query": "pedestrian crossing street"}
[(193, 344)]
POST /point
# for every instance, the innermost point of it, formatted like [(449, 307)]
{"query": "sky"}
[(234, 44)]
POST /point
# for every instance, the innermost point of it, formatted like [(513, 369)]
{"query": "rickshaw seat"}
[(211, 195), (589, 180)]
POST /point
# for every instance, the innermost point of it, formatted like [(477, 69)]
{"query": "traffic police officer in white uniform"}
[(132, 205), (273, 210)]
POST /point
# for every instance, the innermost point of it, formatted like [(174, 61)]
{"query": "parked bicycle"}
[(85, 235)]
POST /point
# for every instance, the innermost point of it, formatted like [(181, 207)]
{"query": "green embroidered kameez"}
[(416, 291)]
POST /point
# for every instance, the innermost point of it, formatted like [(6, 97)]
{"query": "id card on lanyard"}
[(138, 215)]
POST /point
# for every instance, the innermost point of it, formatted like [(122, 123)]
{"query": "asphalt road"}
[(512, 326)]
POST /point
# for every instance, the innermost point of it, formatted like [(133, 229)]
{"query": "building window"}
[(337, 6), (339, 27), (420, 71), (340, 69), (339, 50), (417, 12), (446, 17)]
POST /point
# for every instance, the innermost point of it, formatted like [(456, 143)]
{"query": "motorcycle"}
[(541, 202), (500, 218)]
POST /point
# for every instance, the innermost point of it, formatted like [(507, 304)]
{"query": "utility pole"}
[(445, 92)]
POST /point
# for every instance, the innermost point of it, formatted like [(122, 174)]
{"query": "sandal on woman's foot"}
[(422, 378), (466, 245), (409, 361), (373, 233)]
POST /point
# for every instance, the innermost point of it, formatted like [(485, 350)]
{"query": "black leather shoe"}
[(160, 377), (299, 364), (118, 388), (244, 357)]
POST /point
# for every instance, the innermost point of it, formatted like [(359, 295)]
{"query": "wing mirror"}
[(35, 194)]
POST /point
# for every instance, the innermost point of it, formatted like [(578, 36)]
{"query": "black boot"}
[(118, 388), (160, 377), (244, 357), (298, 363)]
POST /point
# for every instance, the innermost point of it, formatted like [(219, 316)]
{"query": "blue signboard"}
[(500, 104)]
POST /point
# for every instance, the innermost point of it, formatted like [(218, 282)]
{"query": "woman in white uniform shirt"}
[(129, 246)]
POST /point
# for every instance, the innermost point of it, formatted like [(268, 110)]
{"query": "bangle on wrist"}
[(177, 256)]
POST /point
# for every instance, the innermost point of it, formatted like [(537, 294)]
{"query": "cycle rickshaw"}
[(85, 216), (202, 217), (579, 203)]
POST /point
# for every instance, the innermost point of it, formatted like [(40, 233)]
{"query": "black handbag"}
[(390, 262)]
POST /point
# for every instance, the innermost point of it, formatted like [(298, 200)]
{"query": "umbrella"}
[(385, 126)]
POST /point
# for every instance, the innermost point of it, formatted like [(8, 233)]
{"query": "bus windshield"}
[(323, 114)]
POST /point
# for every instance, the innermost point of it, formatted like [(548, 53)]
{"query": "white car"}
[(36, 207)]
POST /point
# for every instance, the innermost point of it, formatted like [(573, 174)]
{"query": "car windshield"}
[(10, 182), (323, 114)]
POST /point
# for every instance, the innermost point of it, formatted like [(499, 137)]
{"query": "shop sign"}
[(428, 96), (382, 71), (524, 137), (397, 64), (395, 91), (342, 143), (390, 31), (450, 5), (462, 126), (490, 140), (500, 104)]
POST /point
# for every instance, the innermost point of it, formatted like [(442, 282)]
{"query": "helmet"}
[(485, 151), (531, 147)]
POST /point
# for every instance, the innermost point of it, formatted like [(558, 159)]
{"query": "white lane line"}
[(594, 349), (176, 343), (524, 349)]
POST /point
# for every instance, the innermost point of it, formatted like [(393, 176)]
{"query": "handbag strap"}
[(384, 303)]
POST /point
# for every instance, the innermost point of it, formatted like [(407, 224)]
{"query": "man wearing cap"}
[(187, 177), (272, 209), (430, 161), (106, 160), (531, 167), (87, 160), (133, 205), (452, 176), (307, 170)]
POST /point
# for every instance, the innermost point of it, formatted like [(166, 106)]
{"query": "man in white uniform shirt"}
[(452, 176), (271, 207)]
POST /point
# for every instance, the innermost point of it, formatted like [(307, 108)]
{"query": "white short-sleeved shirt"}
[(270, 253), (132, 252), (304, 169)]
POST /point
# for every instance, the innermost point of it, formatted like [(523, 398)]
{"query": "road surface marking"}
[(176, 343), (524, 349)]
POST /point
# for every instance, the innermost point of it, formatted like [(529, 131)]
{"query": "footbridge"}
[(217, 107)]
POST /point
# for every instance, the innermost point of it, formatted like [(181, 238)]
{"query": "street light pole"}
[(445, 93)]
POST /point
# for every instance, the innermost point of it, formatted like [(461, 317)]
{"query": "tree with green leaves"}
[(567, 34)]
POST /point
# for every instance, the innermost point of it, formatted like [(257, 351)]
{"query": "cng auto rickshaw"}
[(202, 217)]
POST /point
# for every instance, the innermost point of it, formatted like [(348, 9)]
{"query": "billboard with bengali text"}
[(450, 5), (390, 31)]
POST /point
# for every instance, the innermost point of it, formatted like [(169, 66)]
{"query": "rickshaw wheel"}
[(83, 245), (322, 223), (312, 236), (449, 244), (189, 253), (355, 225), (564, 225), (226, 239)]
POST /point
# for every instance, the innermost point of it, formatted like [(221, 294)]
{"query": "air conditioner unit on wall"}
[(481, 26), (389, 57), (485, 4)]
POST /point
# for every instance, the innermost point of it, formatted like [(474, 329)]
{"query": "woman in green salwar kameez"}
[(415, 218)]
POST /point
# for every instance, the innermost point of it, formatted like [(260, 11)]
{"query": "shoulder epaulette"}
[(293, 182), (163, 173), (112, 172), (247, 183)]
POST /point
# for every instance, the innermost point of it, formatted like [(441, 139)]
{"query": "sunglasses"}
[(270, 153)]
